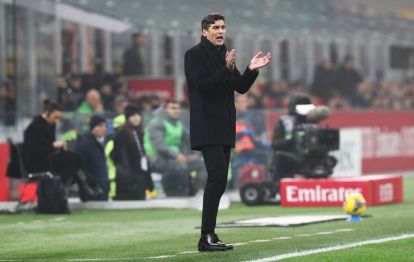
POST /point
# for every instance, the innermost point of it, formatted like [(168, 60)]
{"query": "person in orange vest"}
[(248, 148)]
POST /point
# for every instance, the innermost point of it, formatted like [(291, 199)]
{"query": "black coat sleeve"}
[(242, 83)]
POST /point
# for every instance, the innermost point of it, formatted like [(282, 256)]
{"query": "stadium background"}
[(40, 39)]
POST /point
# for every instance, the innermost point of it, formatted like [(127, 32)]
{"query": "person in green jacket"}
[(167, 144), (91, 104)]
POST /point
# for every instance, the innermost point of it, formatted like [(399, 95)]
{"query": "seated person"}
[(133, 175), (167, 145), (40, 139), (90, 148), (41, 152)]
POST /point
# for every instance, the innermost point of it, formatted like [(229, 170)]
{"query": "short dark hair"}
[(170, 101), (211, 19), (50, 106)]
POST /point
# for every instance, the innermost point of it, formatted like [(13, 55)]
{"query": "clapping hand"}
[(230, 58), (258, 61)]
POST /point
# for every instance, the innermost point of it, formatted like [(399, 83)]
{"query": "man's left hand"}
[(258, 61)]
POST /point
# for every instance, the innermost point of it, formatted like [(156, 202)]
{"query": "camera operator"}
[(286, 161)]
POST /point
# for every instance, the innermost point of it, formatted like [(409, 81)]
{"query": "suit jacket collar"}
[(214, 53)]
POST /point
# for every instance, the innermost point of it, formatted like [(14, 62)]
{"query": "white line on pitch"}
[(160, 257), (281, 238), (344, 230), (324, 233), (260, 241), (333, 248), (187, 252)]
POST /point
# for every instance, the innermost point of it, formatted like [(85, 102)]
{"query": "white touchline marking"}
[(344, 230), (187, 252), (160, 257), (324, 233), (260, 241), (304, 235), (102, 259), (280, 238), (333, 248)]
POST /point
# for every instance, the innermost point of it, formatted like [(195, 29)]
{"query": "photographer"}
[(286, 160)]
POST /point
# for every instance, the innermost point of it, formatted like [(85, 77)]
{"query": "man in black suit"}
[(212, 78)]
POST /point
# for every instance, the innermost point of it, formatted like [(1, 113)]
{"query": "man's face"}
[(53, 118), (216, 33), (242, 104), (99, 130), (135, 119), (173, 110)]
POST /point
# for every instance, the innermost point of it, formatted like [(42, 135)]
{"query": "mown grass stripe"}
[(333, 248)]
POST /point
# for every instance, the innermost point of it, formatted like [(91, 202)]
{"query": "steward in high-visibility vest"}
[(109, 146), (171, 140), (244, 138), (166, 143)]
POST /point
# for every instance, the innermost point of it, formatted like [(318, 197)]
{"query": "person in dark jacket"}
[(323, 80), (39, 140), (133, 64), (212, 78), (132, 170), (347, 80), (91, 150)]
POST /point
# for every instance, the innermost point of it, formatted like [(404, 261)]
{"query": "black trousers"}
[(216, 159)]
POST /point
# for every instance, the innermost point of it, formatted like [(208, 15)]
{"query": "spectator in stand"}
[(250, 125), (120, 102), (255, 97), (133, 56), (407, 103), (107, 96), (382, 102), (90, 80), (338, 103), (91, 150), (365, 94), (145, 102), (70, 95), (61, 87), (8, 99), (133, 175), (323, 81), (92, 103), (167, 145), (276, 95), (255, 118), (347, 80)]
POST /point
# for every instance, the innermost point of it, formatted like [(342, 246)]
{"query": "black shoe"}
[(210, 242)]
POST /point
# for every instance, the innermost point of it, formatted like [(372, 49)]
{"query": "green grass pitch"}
[(171, 235)]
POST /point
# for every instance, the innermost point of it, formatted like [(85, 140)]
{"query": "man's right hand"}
[(230, 59), (58, 144), (182, 159)]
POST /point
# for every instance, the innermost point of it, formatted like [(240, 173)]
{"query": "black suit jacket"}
[(211, 87)]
